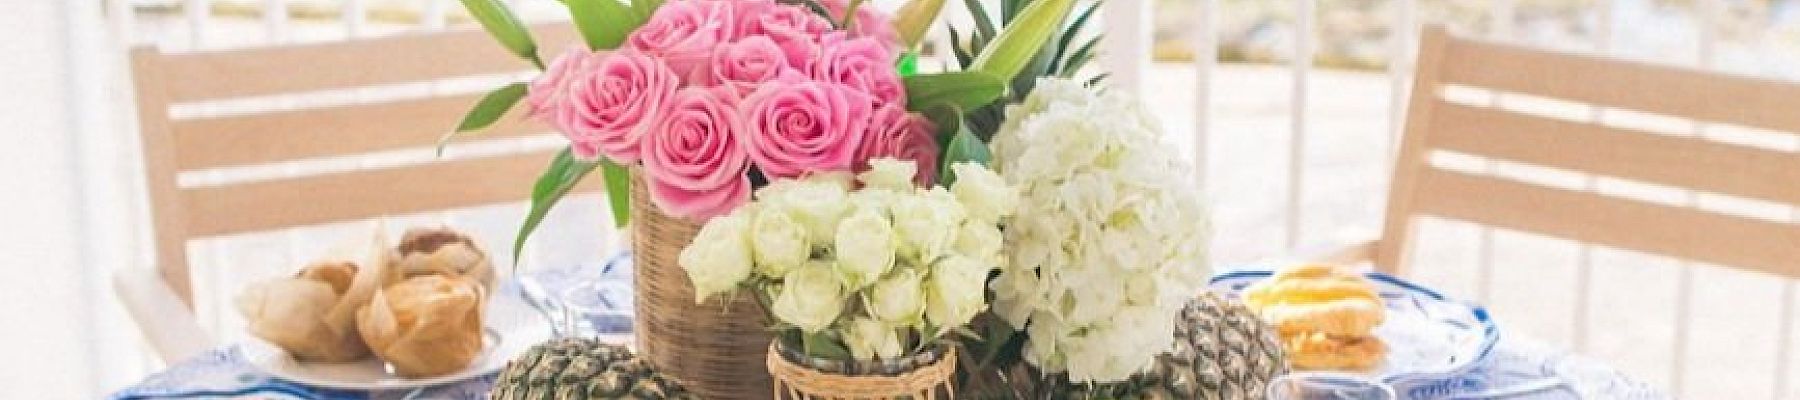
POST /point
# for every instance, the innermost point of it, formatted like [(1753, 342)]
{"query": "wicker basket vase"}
[(715, 349), (924, 377)]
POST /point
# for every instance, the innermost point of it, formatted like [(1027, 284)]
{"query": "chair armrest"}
[(164, 319)]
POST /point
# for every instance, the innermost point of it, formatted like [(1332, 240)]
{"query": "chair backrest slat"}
[(1579, 143), (1660, 89), (240, 140), (316, 199), (1621, 223), (310, 67), (1598, 149), (275, 136)]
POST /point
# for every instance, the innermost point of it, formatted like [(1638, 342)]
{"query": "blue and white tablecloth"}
[(600, 294)]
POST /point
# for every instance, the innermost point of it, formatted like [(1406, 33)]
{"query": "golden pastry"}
[(1326, 316), (1319, 351), (426, 251), (1342, 317), (425, 326)]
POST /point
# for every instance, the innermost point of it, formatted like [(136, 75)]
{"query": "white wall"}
[(61, 334)]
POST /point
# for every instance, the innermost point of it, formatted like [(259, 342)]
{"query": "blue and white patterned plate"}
[(1429, 337)]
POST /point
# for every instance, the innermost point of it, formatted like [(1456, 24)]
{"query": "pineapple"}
[(582, 368), (1222, 351)]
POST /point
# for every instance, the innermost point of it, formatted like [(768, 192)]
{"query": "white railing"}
[(1129, 26)]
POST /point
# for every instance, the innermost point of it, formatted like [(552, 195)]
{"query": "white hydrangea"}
[(1110, 236)]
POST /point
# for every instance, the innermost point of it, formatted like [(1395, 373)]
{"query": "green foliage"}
[(1061, 54), (506, 28), (964, 147), (604, 24), (486, 111), (564, 173), (1022, 39), (965, 90)]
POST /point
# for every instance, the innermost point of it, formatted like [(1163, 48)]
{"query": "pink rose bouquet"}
[(708, 93), (712, 99)]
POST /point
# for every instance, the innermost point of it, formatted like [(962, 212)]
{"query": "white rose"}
[(926, 223), (719, 257), (879, 201), (868, 338), (817, 203), (898, 299), (864, 248), (811, 297), (889, 173), (983, 193), (980, 240), (955, 291), (780, 243)]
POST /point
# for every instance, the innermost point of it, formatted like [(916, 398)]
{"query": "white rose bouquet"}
[(1110, 236), (870, 274)]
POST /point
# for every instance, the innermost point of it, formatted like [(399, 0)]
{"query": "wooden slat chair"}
[(1435, 124), (161, 299)]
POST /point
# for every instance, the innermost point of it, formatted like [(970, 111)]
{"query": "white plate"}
[(1429, 337), (512, 327)]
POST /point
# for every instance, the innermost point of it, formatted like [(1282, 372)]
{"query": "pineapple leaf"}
[(984, 25), (1098, 79), (1074, 28), (963, 58), (1081, 57), (1010, 9), (1021, 41)]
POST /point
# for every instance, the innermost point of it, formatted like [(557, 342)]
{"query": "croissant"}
[(426, 325), (291, 313)]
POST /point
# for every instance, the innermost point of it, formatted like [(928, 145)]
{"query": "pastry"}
[(426, 251), (425, 326), (291, 312), (1326, 316)]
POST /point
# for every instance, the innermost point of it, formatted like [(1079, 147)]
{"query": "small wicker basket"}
[(801, 382), (714, 348)]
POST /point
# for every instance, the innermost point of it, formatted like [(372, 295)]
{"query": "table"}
[(1516, 363)]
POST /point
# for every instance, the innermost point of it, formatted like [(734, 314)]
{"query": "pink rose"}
[(547, 93), (695, 164), (798, 127), (608, 110), (750, 61), (791, 27), (897, 134), (683, 34), (869, 21), (863, 63)]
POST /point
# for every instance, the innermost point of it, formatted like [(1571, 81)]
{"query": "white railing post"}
[(1502, 18), (1206, 58), (1304, 37), (1128, 37), (198, 11), (1400, 59), (275, 19), (1584, 268), (433, 14)]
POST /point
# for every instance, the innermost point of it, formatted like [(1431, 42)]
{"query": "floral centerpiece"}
[(687, 107), (860, 282)]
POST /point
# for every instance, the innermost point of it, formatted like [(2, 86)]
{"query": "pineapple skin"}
[(1222, 351), (582, 368)]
